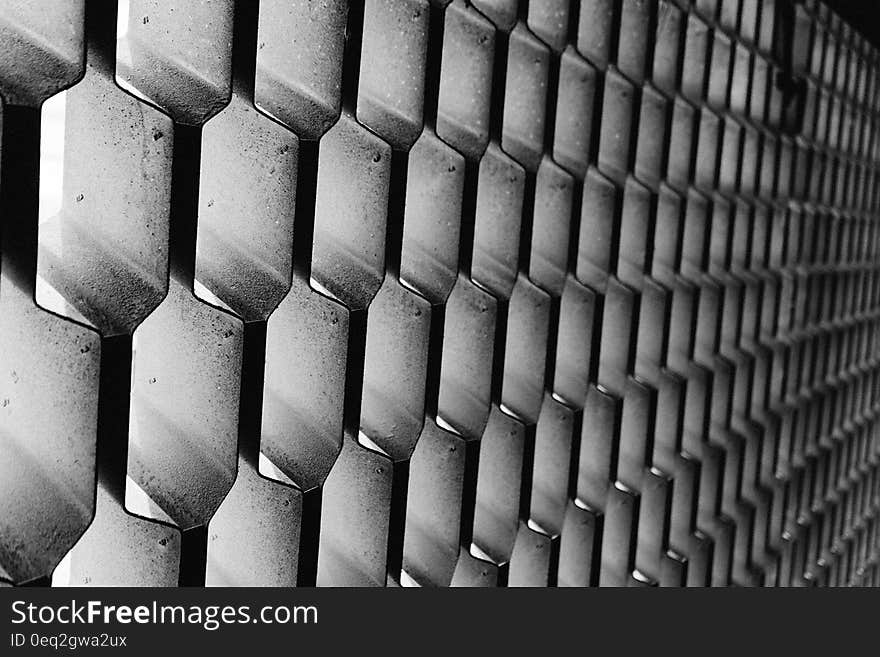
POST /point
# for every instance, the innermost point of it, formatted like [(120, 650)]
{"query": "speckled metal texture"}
[(438, 293)]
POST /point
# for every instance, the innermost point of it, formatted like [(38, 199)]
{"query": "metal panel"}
[(438, 293)]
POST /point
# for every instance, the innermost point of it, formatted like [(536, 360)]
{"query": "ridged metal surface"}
[(410, 292)]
